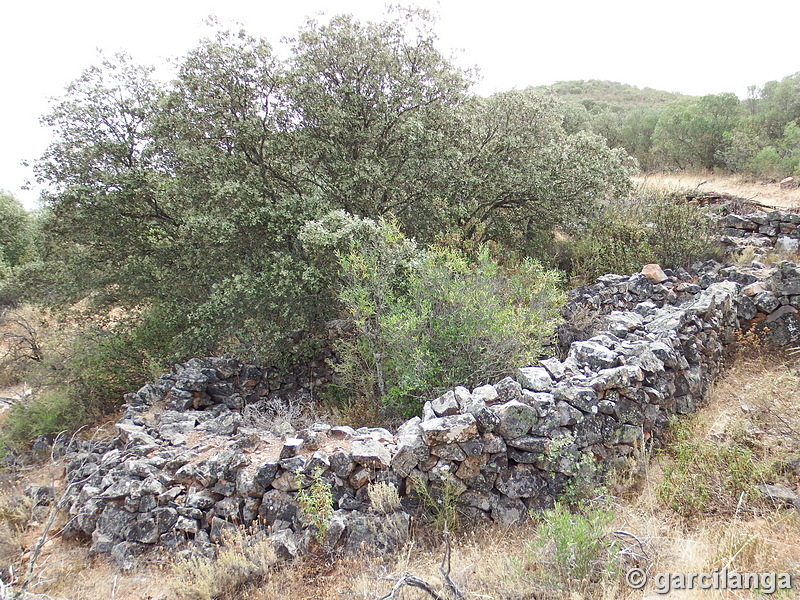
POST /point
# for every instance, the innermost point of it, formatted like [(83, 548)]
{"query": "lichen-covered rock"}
[(376, 535), (284, 542), (135, 435), (224, 425), (487, 394), (278, 507), (521, 481), (593, 354), (509, 511), (516, 418), (582, 398), (449, 430), (536, 379), (507, 389), (371, 453), (445, 405), (555, 368)]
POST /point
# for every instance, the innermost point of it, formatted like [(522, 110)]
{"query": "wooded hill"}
[(662, 130)]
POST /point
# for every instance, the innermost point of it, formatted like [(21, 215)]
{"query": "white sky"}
[(694, 47)]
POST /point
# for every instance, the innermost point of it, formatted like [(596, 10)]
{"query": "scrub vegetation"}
[(356, 200)]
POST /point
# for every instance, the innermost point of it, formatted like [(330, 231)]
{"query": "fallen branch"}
[(446, 572), (412, 581), (622, 533), (416, 582)]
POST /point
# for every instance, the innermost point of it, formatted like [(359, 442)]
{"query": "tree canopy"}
[(188, 197), (716, 131), (16, 235)]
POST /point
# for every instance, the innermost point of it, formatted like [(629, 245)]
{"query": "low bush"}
[(439, 500), (426, 320), (384, 497), (50, 412), (572, 553), (242, 563), (316, 504), (651, 227), (79, 371)]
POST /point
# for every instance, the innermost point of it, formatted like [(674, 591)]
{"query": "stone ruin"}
[(189, 464)]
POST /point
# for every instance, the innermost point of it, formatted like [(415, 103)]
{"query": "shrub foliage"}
[(646, 228), (428, 319)]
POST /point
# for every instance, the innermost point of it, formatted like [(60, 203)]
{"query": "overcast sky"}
[(694, 47)]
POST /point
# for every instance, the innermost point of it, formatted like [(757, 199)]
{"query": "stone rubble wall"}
[(190, 462), (765, 231)]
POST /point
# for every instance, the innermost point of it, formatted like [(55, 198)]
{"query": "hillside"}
[(621, 96)]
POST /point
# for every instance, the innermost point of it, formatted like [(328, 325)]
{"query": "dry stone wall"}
[(194, 457), (775, 231)]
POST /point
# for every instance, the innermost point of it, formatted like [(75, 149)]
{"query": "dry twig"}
[(416, 582)]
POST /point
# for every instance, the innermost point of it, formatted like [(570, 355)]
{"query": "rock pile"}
[(190, 462)]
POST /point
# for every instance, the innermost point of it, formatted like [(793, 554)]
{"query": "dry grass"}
[(769, 193)]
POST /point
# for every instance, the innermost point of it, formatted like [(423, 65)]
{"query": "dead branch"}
[(416, 582), (622, 533), (446, 571)]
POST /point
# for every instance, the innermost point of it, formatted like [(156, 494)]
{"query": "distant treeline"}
[(759, 136)]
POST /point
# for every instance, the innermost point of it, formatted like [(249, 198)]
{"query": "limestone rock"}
[(516, 418), (654, 273), (445, 405), (371, 453), (594, 355), (779, 494), (376, 535)]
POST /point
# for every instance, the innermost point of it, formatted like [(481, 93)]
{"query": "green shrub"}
[(611, 243), (316, 504), (679, 232), (100, 372), (80, 377), (16, 232), (428, 320), (766, 163), (440, 500), (51, 412), (780, 159), (624, 235), (571, 551)]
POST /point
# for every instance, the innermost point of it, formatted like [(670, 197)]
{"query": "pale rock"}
[(654, 273), (448, 430)]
